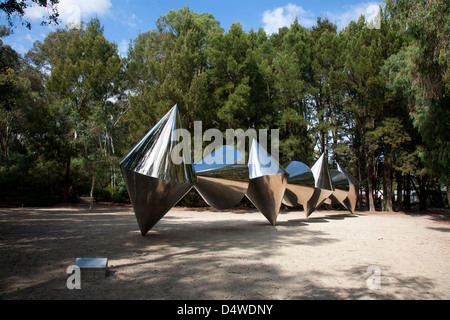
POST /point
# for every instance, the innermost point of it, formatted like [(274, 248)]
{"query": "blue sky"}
[(123, 20)]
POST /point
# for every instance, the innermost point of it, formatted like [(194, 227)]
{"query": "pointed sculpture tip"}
[(173, 110), (144, 231)]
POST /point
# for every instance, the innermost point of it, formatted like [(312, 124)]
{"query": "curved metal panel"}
[(301, 184), (267, 184), (260, 163), (266, 193), (318, 197), (323, 185), (152, 198), (341, 187), (322, 174), (221, 180), (352, 197), (152, 156), (155, 183)]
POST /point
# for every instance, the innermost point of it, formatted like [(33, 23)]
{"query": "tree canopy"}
[(374, 100), (13, 8)]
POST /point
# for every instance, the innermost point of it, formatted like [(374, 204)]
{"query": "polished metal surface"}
[(152, 156), (151, 197), (267, 183), (323, 185), (341, 188), (222, 180), (352, 197), (301, 185), (155, 183), (321, 174)]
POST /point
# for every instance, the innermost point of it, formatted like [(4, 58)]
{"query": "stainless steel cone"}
[(267, 184), (301, 184), (341, 188), (323, 185), (155, 182), (222, 178), (151, 197), (352, 197)]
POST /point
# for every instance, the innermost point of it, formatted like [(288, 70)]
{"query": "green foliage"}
[(13, 8), (421, 72), (29, 181), (374, 100)]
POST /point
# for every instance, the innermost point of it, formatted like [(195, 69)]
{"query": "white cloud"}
[(73, 11), (123, 48), (342, 19), (285, 16), (132, 21), (19, 47)]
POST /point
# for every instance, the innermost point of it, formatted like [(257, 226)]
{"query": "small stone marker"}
[(92, 268)]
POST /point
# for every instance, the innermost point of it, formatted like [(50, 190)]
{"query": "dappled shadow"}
[(440, 229), (38, 244), (392, 285), (182, 257), (436, 214), (314, 219)]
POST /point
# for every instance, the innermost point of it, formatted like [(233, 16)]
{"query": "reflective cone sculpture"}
[(341, 188), (222, 177), (155, 183), (323, 185), (300, 187), (352, 189), (267, 183)]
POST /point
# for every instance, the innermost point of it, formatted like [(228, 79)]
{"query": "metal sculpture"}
[(345, 188), (154, 182), (222, 177), (267, 183), (341, 188), (300, 187), (322, 183)]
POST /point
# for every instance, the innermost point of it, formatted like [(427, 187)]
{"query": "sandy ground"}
[(206, 254)]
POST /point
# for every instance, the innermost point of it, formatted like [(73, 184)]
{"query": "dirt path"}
[(203, 254)]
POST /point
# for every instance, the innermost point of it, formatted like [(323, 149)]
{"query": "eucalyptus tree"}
[(291, 72), (421, 72), (83, 73), (166, 66)]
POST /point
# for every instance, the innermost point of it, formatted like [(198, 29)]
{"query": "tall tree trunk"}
[(359, 201), (407, 198), (4, 147), (91, 193), (384, 190), (423, 194), (399, 200), (65, 196), (388, 180), (448, 194), (369, 173)]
